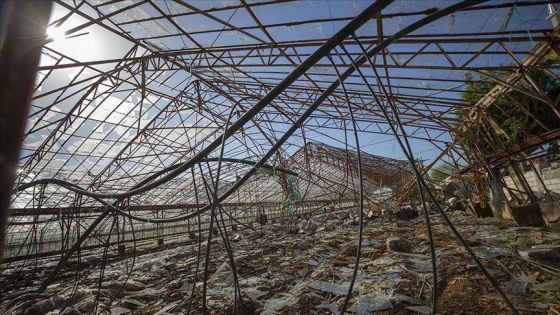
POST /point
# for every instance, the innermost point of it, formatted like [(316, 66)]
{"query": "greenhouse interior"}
[(280, 157)]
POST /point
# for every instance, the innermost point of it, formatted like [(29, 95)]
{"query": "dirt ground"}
[(310, 272)]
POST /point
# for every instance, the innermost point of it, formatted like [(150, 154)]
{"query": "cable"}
[(227, 245), (195, 280), (357, 22), (77, 203), (129, 273), (102, 269), (361, 181), (145, 187), (423, 183), (215, 203), (408, 150), (207, 253), (343, 33)]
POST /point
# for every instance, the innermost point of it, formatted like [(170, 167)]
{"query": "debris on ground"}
[(282, 272)]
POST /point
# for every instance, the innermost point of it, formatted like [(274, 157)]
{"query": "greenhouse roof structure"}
[(126, 89), (175, 115)]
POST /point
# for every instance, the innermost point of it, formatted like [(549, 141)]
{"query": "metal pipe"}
[(21, 46), (330, 44)]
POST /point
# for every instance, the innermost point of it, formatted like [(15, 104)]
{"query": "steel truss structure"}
[(167, 112)]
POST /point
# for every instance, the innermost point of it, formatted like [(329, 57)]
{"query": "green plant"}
[(519, 243), (512, 118), (442, 171), (524, 243), (550, 296), (510, 237)]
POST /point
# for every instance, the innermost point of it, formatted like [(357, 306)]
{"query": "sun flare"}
[(56, 33)]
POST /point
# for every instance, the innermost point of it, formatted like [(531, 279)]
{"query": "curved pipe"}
[(168, 169), (215, 202), (361, 195), (322, 51), (345, 32)]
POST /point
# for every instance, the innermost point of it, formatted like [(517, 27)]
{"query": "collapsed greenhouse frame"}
[(263, 117)]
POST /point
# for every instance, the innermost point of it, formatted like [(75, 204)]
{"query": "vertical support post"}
[(540, 180), (522, 181), (22, 35), (495, 175)]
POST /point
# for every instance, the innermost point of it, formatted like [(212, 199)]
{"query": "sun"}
[(82, 45), (56, 33)]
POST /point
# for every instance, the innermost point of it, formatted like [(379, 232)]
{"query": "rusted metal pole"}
[(22, 35)]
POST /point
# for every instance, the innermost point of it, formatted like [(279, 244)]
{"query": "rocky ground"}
[(307, 269)]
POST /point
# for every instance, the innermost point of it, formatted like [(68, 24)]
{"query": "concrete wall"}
[(551, 176), (550, 173)]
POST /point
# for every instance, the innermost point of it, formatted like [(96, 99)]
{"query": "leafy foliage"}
[(442, 171), (516, 116)]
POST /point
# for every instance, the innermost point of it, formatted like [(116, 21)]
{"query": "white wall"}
[(550, 175)]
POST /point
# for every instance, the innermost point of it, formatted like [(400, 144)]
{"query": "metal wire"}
[(361, 192), (115, 204), (401, 139)]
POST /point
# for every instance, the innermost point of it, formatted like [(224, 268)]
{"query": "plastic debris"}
[(329, 287)]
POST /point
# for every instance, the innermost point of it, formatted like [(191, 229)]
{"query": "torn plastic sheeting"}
[(515, 287), (156, 44), (176, 8), (489, 253), (222, 276), (222, 291), (387, 261), (526, 279), (278, 303), (329, 287), (119, 310), (250, 281), (546, 286), (421, 309), (420, 265), (167, 308), (496, 296), (254, 294), (407, 299), (365, 242), (332, 308), (382, 287), (367, 304), (311, 31), (154, 28), (360, 278), (312, 262)]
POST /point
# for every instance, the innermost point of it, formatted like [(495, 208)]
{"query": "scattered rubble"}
[(527, 215), (545, 253), (551, 214), (310, 272), (394, 244)]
